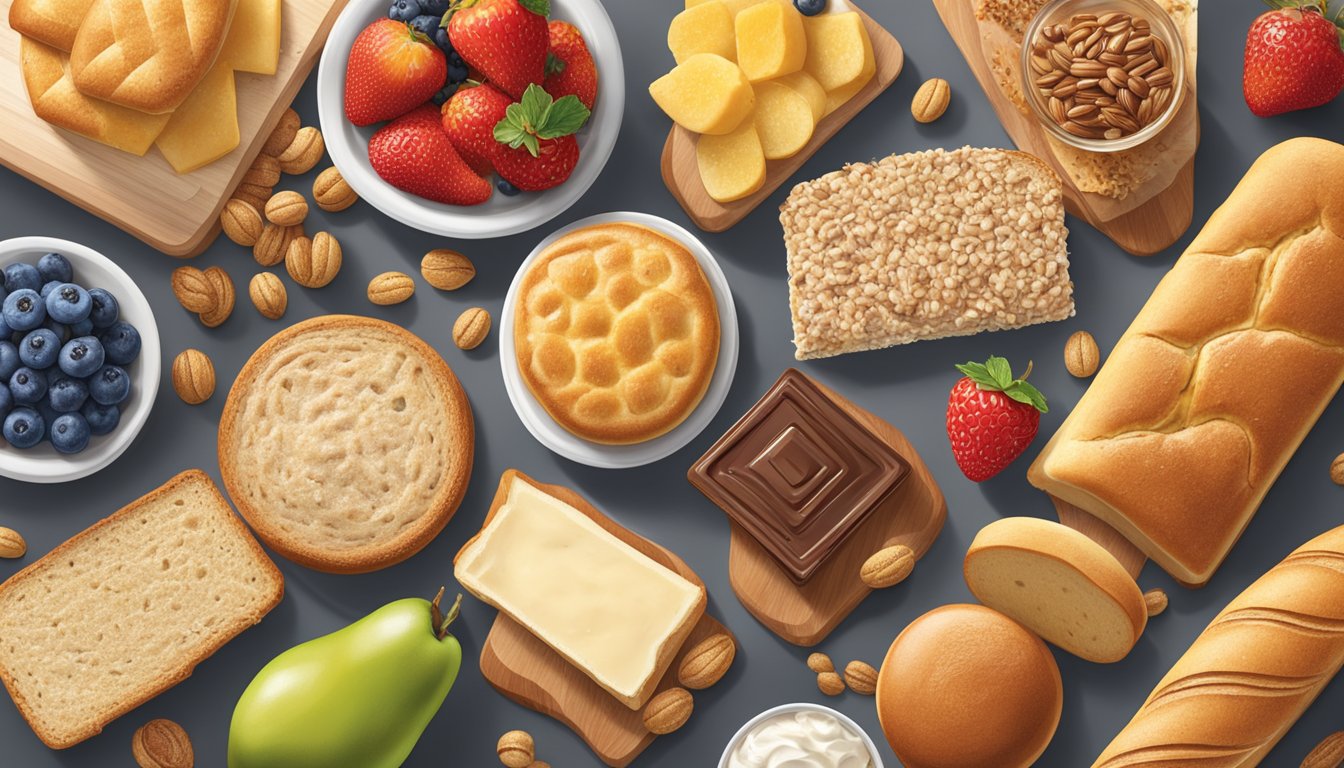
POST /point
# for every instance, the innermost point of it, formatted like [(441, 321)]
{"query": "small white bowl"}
[(788, 709), (42, 463), (501, 215), (574, 448)]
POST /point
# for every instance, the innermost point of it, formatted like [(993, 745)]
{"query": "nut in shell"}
[(268, 295), (12, 544), (888, 567), (162, 744), (931, 100), (332, 192), (241, 222), (820, 662), (286, 208), (830, 683), (447, 270), (1156, 602), (272, 244), (1337, 470), (1328, 754), (668, 711), (194, 291), (707, 663), (1081, 355), (393, 288), (224, 298), (516, 749), (471, 328), (264, 172), (303, 152), (314, 263), (193, 376), (861, 678), (283, 134)]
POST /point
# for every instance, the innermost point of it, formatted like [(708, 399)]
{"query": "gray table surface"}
[(908, 386)]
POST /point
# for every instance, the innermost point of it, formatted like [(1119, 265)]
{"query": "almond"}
[(447, 270), (286, 208), (1328, 754), (1337, 469), (224, 298), (1081, 356), (268, 295), (283, 134), (668, 711), (332, 192), (820, 662), (861, 678), (241, 222), (395, 287), (1156, 601), (830, 684), (931, 100), (707, 663), (193, 377), (516, 749), (12, 544), (264, 172), (272, 244), (315, 263), (303, 152), (888, 567), (194, 291), (471, 328), (162, 744)]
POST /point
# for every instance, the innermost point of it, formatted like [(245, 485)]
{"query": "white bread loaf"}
[(1222, 374), (1250, 675)]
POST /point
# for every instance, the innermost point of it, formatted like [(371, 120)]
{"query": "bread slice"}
[(54, 22), (1058, 583), (126, 609)]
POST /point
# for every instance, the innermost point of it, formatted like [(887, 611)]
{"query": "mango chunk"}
[(784, 120), (807, 87), (732, 166), (705, 28), (705, 94), (771, 41), (839, 51), (734, 6)]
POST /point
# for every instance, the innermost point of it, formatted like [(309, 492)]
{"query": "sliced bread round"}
[(1060, 584)]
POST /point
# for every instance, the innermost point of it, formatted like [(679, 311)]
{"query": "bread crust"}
[(54, 22), (459, 453)]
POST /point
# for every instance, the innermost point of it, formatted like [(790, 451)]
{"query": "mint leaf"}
[(565, 117), (977, 373), (539, 7), (1000, 371), (554, 64), (1023, 392), (511, 131), (996, 375)]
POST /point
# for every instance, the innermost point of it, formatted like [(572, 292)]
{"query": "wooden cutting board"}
[(1131, 558), (1156, 213), (681, 173), (176, 214), (529, 672)]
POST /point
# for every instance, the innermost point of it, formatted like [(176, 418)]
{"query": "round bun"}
[(966, 687)]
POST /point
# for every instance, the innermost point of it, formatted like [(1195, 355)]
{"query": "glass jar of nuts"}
[(1104, 75)]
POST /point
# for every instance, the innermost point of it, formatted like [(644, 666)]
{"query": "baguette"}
[(1250, 675), (1215, 384)]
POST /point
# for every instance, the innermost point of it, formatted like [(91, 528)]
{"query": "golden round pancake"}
[(346, 443), (616, 332)]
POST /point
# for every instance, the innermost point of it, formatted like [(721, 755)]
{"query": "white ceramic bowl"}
[(500, 215), (565, 443), (788, 709), (42, 464)]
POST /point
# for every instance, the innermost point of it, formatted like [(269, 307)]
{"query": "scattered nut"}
[(1081, 355), (254, 191), (264, 172), (303, 152), (861, 678), (272, 244), (12, 545), (332, 192), (1328, 754), (1156, 600), (194, 291), (471, 328), (888, 567), (447, 270), (394, 288), (193, 377), (258, 202), (241, 222), (668, 711), (931, 100), (268, 295), (516, 749), (830, 684), (315, 263), (224, 298), (707, 663), (286, 208), (819, 663), (1337, 469), (283, 134), (162, 744)]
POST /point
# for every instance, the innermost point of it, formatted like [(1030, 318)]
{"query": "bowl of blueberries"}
[(79, 360)]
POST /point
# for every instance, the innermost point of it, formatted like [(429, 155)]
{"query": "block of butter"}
[(615, 614)]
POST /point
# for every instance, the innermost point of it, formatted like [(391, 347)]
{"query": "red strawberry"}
[(413, 154), (992, 417), (1293, 59), (392, 70), (570, 68), (469, 118), (505, 39), (537, 149)]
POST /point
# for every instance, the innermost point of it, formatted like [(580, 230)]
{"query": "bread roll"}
[(1250, 675), (1221, 375)]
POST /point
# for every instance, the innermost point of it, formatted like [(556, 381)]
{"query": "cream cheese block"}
[(607, 608)]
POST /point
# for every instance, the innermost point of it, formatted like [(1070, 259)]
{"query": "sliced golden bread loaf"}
[(53, 22)]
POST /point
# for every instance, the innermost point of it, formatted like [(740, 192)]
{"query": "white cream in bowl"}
[(803, 739)]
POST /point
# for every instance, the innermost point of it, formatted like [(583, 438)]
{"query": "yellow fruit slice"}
[(839, 52), (205, 127), (784, 120), (771, 41), (706, 28), (807, 87), (705, 94), (732, 166)]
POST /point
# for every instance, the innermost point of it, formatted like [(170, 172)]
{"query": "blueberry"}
[(27, 386), (81, 357), (24, 428), (5, 330), (9, 360), (404, 10), (435, 7), (105, 308), (441, 40), (39, 349), (24, 310), (55, 374), (82, 328), (66, 395), (21, 276), (426, 24), (48, 287), (70, 433), (102, 419), (505, 188), (6, 402), (55, 267), (457, 68), (69, 304), (445, 93), (111, 385), (121, 343), (48, 414), (810, 7)]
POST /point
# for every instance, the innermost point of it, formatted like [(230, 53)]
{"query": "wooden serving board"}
[(176, 214), (529, 672), (1131, 558), (681, 173), (1154, 214), (804, 615)]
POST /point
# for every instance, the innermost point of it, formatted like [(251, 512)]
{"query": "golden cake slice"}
[(53, 22), (346, 443), (616, 332)]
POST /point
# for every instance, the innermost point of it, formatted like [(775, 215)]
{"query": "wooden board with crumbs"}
[(1143, 199), (175, 214)]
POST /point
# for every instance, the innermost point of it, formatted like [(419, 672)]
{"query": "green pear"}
[(359, 697)]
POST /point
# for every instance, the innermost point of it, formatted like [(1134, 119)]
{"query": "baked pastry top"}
[(53, 22), (616, 332), (346, 443)]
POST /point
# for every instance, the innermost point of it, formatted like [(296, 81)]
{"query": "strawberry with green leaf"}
[(992, 417), (570, 69), (1294, 58), (506, 40), (538, 150), (469, 119)]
